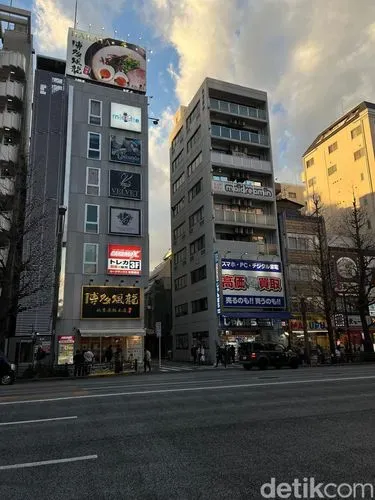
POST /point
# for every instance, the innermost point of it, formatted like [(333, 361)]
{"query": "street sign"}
[(158, 329)]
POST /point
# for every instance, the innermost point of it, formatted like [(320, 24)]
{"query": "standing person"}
[(88, 360), (233, 354), (78, 363), (218, 355), (147, 360), (108, 354), (118, 360), (194, 354)]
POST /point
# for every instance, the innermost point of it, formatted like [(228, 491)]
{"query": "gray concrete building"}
[(226, 273)]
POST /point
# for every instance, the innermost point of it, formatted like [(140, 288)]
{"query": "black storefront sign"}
[(110, 302), (125, 150), (126, 185)]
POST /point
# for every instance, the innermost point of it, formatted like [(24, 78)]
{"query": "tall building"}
[(90, 153), (340, 162), (227, 276)]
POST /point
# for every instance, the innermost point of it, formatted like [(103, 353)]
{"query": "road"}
[(193, 435)]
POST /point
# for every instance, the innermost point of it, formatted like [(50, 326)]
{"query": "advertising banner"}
[(242, 188), (254, 284), (126, 117), (124, 184), (125, 221), (217, 283), (65, 350), (125, 150), (124, 260), (106, 60), (110, 302)]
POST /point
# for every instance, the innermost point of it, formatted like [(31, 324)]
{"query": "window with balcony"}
[(332, 147), (94, 145), (90, 258), (176, 209), (95, 112), (359, 154), (332, 169), (194, 140), (197, 245), (178, 183), (252, 136), (198, 275), (93, 181), (310, 163), (195, 190), (180, 257), (194, 164), (199, 305), (238, 109), (181, 310), (179, 232), (178, 161), (356, 132), (196, 217), (180, 282), (91, 218)]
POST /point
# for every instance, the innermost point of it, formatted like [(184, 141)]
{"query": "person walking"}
[(108, 354), (78, 361), (88, 361), (147, 360)]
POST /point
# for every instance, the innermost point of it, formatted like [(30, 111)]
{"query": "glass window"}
[(214, 103), (234, 108), (243, 111), (215, 130), (225, 132), (356, 132), (92, 219), (224, 106), (95, 112), (90, 258), (358, 154), (93, 181), (235, 134), (94, 146), (245, 136)]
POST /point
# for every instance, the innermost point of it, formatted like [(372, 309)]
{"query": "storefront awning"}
[(258, 315), (118, 332)]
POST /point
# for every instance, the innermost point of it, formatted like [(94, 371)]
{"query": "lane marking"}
[(156, 384), (37, 421), (189, 389), (48, 462)]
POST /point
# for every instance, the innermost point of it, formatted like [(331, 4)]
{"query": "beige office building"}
[(340, 162)]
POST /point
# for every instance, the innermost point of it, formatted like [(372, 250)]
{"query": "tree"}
[(360, 266)]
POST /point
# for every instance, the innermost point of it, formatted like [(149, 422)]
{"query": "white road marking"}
[(37, 421), (48, 462), (130, 386), (189, 389)]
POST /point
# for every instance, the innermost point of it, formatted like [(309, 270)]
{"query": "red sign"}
[(66, 339), (124, 259)]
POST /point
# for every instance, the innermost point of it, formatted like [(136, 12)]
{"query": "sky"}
[(315, 59)]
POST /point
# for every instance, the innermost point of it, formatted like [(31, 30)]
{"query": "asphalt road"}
[(194, 435)]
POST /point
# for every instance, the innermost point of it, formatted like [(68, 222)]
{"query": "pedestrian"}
[(108, 354), (88, 361), (78, 363), (194, 351), (219, 358), (232, 354), (118, 360), (147, 360)]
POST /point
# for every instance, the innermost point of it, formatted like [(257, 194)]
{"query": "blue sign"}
[(240, 301), (251, 265), (217, 283)]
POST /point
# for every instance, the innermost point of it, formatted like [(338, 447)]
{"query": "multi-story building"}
[(340, 163), (293, 192), (99, 194), (15, 108), (227, 277)]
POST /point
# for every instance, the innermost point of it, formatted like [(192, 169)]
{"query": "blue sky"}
[(314, 58)]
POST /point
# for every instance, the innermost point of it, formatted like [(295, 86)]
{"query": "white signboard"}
[(126, 117), (242, 189), (158, 329)]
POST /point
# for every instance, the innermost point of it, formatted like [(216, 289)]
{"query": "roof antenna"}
[(75, 15)]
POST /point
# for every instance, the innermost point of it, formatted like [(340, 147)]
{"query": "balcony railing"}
[(239, 135), (6, 186), (238, 109), (5, 221), (247, 218), (10, 121), (243, 190), (241, 162), (8, 153)]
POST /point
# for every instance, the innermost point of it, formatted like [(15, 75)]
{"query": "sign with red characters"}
[(124, 260)]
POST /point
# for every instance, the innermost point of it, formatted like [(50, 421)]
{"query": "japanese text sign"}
[(110, 302)]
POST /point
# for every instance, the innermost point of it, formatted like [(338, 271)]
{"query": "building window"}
[(359, 153), (196, 217), (94, 145), (95, 112), (302, 242), (193, 115), (178, 207), (368, 224), (194, 140), (356, 132), (93, 181), (182, 341), (198, 274), (332, 169), (178, 138), (180, 257), (362, 176), (292, 196), (177, 162), (90, 258), (199, 305), (310, 163), (332, 147), (180, 282), (176, 185), (299, 273), (312, 181), (179, 232), (197, 245), (194, 164), (92, 219), (195, 190), (181, 310)]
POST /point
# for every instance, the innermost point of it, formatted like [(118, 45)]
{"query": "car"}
[(7, 371), (264, 355)]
